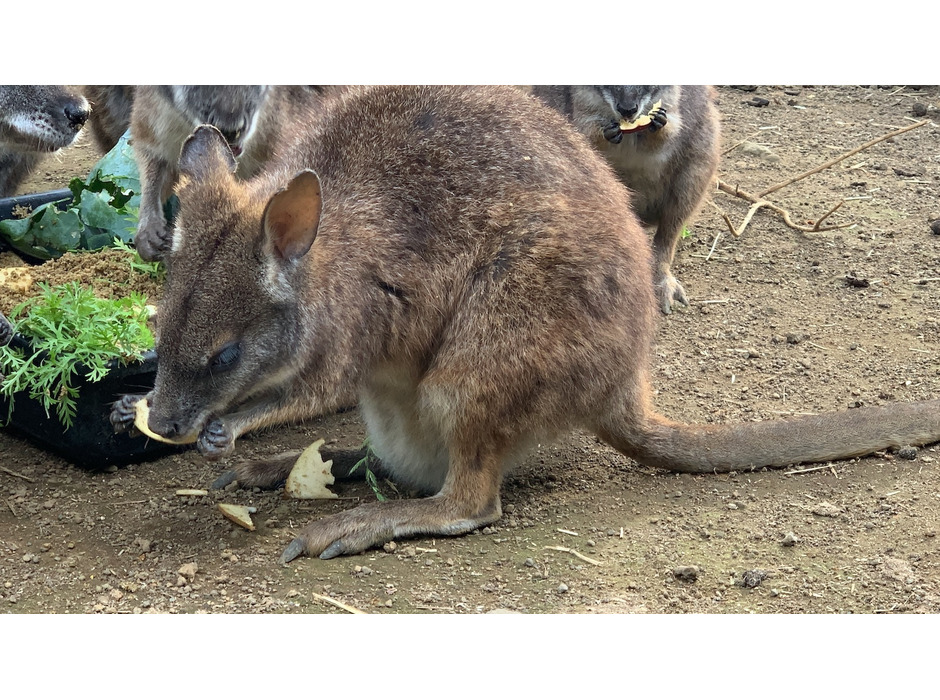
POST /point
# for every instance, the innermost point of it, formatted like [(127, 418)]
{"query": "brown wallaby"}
[(253, 119), (468, 266), (35, 120), (669, 165), (111, 107)]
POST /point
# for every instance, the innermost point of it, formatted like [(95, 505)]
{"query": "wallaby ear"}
[(205, 152), (292, 216)]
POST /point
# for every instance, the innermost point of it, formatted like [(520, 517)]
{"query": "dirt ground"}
[(781, 322)]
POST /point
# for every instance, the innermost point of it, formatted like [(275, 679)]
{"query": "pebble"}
[(562, 588), (919, 109), (826, 509), (753, 578), (935, 227), (789, 540), (907, 452), (530, 562), (689, 574), (390, 547)]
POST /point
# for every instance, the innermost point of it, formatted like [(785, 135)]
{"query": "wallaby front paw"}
[(613, 133), (670, 290), (215, 440), (124, 411), (659, 119), (6, 330), (152, 240)]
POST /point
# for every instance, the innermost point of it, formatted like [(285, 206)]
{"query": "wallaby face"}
[(470, 269), (232, 109), (35, 119), (254, 119), (218, 352), (670, 165)]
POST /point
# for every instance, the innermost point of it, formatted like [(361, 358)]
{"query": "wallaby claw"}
[(6, 331), (613, 133), (215, 441), (670, 290), (336, 549), (153, 242), (659, 119), (124, 411), (224, 480), (293, 550)]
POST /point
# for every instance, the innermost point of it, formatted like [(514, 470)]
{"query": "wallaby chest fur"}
[(35, 120), (470, 268), (669, 168)]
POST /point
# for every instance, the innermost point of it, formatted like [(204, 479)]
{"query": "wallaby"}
[(467, 265), (252, 118), (6, 331), (35, 120), (111, 107), (670, 164)]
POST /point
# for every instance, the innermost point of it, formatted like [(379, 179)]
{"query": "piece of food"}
[(192, 492), (142, 415), (240, 515), (311, 475), (641, 122)]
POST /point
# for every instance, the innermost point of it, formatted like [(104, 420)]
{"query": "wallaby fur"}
[(111, 107), (468, 266), (670, 167), (35, 120), (252, 118)]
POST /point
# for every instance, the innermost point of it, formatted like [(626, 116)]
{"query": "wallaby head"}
[(622, 101), (40, 118), (232, 109), (225, 240)]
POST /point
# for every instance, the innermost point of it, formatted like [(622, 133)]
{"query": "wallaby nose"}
[(77, 115), (627, 111)]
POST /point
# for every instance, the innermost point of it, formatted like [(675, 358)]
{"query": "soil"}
[(781, 322)]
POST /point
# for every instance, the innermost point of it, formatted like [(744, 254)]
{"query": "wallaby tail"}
[(659, 442)]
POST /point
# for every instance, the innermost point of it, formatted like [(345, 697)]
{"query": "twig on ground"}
[(758, 202), (577, 554), (832, 162), (337, 603), (21, 476), (809, 469)]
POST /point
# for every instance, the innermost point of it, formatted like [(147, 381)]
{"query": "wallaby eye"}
[(226, 357)]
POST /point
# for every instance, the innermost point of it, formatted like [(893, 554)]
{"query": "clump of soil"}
[(107, 272)]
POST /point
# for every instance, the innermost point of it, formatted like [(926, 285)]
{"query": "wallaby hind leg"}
[(668, 289), (468, 500), (272, 472)]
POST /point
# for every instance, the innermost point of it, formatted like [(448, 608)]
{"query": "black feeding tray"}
[(91, 442)]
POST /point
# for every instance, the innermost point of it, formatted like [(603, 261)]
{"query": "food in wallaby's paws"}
[(142, 415), (641, 122), (310, 476)]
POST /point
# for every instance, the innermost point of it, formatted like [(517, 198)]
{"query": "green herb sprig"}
[(72, 333)]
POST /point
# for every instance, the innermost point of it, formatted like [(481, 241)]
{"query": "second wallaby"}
[(253, 119), (469, 267), (669, 165), (35, 120)]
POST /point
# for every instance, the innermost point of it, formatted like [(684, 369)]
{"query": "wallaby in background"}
[(670, 165), (111, 107), (35, 120), (469, 266), (253, 119)]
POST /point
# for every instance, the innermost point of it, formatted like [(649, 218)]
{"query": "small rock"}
[(919, 109), (390, 547), (689, 574), (826, 509), (789, 540), (188, 570), (935, 227), (753, 578), (758, 102), (908, 452), (530, 562), (562, 588), (366, 571)]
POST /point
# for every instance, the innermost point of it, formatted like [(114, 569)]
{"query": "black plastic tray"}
[(91, 442)]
